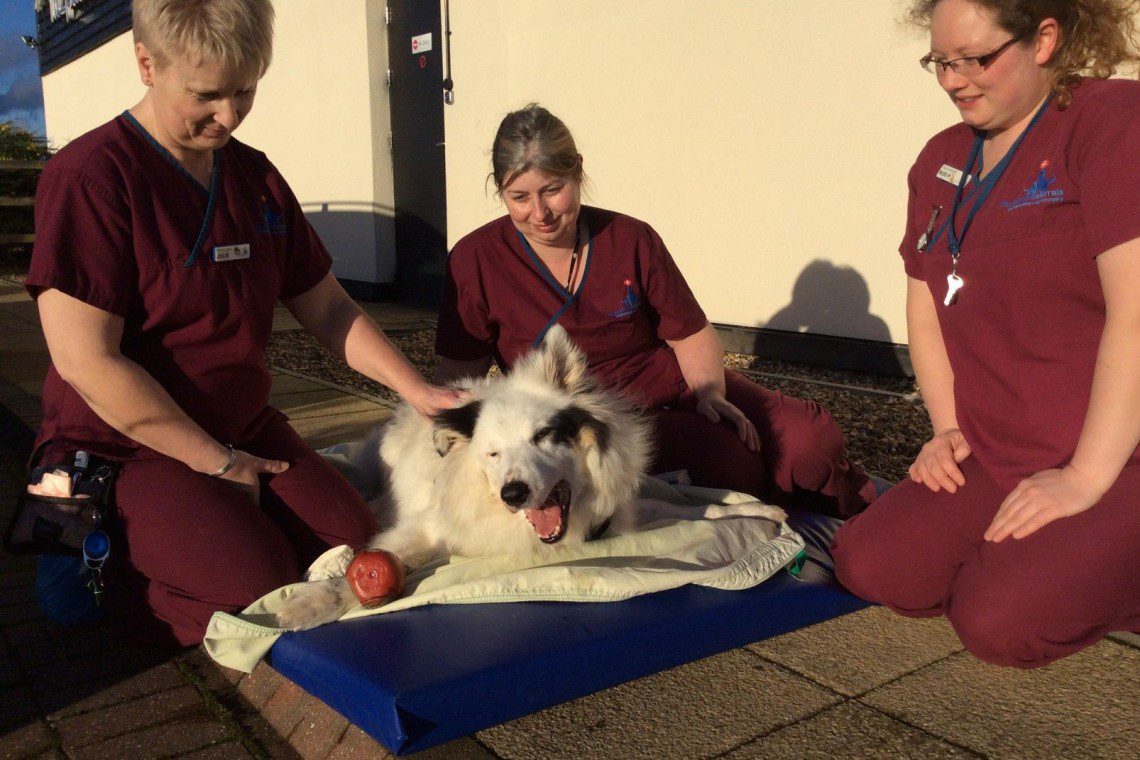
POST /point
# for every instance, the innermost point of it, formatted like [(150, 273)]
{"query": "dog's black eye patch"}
[(567, 424), (460, 419)]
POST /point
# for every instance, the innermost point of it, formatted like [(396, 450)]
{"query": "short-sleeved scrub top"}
[(1023, 335), (195, 272), (499, 299)]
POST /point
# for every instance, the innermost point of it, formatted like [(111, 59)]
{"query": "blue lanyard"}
[(569, 298), (954, 238)]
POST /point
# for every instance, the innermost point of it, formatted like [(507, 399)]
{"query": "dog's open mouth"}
[(550, 520)]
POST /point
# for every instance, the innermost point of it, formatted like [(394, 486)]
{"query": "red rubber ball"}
[(375, 577)]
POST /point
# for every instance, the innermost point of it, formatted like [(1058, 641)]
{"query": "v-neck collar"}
[(162, 151), (544, 271), (211, 192)]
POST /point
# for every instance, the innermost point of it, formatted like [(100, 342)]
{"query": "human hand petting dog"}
[(1040, 499), (429, 399), (712, 406), (936, 466)]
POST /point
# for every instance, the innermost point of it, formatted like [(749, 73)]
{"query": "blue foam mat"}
[(420, 677)]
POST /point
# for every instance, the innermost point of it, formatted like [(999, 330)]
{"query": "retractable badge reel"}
[(96, 549)]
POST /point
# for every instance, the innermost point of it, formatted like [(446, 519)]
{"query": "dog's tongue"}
[(546, 520)]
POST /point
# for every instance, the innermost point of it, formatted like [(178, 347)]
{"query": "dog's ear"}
[(560, 362), (453, 425), (574, 425)]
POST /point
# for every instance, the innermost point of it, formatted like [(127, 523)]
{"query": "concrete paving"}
[(870, 684)]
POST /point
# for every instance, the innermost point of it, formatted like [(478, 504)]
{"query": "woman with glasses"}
[(610, 281), (1021, 518)]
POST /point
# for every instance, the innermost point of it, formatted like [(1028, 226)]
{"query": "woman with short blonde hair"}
[(163, 245)]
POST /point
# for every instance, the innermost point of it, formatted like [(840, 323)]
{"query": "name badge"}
[(230, 252), (949, 174)]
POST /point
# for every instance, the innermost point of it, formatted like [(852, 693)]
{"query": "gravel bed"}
[(884, 433)]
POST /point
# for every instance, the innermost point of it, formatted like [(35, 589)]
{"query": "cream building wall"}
[(322, 120), (767, 141)]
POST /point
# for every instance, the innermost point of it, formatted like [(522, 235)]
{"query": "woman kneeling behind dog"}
[(610, 282)]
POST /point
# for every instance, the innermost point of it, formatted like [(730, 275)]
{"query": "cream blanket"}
[(729, 553)]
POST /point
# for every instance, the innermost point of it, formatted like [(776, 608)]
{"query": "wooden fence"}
[(19, 238)]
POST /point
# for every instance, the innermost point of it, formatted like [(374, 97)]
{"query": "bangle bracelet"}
[(228, 465)]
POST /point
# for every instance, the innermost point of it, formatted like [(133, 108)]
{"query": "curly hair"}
[(1097, 36)]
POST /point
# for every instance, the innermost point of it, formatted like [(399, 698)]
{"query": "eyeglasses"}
[(969, 66)]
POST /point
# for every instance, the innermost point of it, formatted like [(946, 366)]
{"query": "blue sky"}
[(21, 99)]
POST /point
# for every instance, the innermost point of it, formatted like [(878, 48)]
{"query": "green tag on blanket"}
[(797, 564)]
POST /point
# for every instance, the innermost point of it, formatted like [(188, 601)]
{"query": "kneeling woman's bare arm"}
[(701, 358), (1111, 430), (342, 327), (83, 341)]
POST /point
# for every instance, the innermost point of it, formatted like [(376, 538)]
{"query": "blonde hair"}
[(533, 138), (1096, 36), (237, 34)]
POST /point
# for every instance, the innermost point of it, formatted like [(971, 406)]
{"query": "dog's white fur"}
[(449, 481)]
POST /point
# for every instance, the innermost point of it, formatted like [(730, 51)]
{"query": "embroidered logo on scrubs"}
[(629, 304), (1038, 193), (272, 223)]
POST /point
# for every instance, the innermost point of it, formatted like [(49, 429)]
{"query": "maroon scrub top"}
[(1023, 336), (499, 298), (122, 226)]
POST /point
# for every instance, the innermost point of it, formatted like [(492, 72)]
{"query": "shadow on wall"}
[(833, 301), (380, 253), (830, 300)]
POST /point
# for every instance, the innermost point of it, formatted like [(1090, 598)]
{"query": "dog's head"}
[(541, 435)]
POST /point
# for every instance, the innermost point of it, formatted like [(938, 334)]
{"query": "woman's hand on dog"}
[(429, 400), (713, 406), (936, 466), (245, 474)]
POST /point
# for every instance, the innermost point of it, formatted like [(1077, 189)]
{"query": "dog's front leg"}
[(411, 546), (315, 603)]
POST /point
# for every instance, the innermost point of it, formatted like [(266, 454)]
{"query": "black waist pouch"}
[(60, 524)]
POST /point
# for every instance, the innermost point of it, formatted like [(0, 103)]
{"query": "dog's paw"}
[(775, 513), (314, 603), (331, 564)]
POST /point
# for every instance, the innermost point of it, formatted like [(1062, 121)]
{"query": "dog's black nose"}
[(515, 493)]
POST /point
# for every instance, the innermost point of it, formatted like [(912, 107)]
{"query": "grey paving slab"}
[(1084, 706), (27, 740), (848, 730), (319, 432), (24, 367), (320, 403), (283, 382), (21, 308), (700, 709), (1126, 637), (858, 652)]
